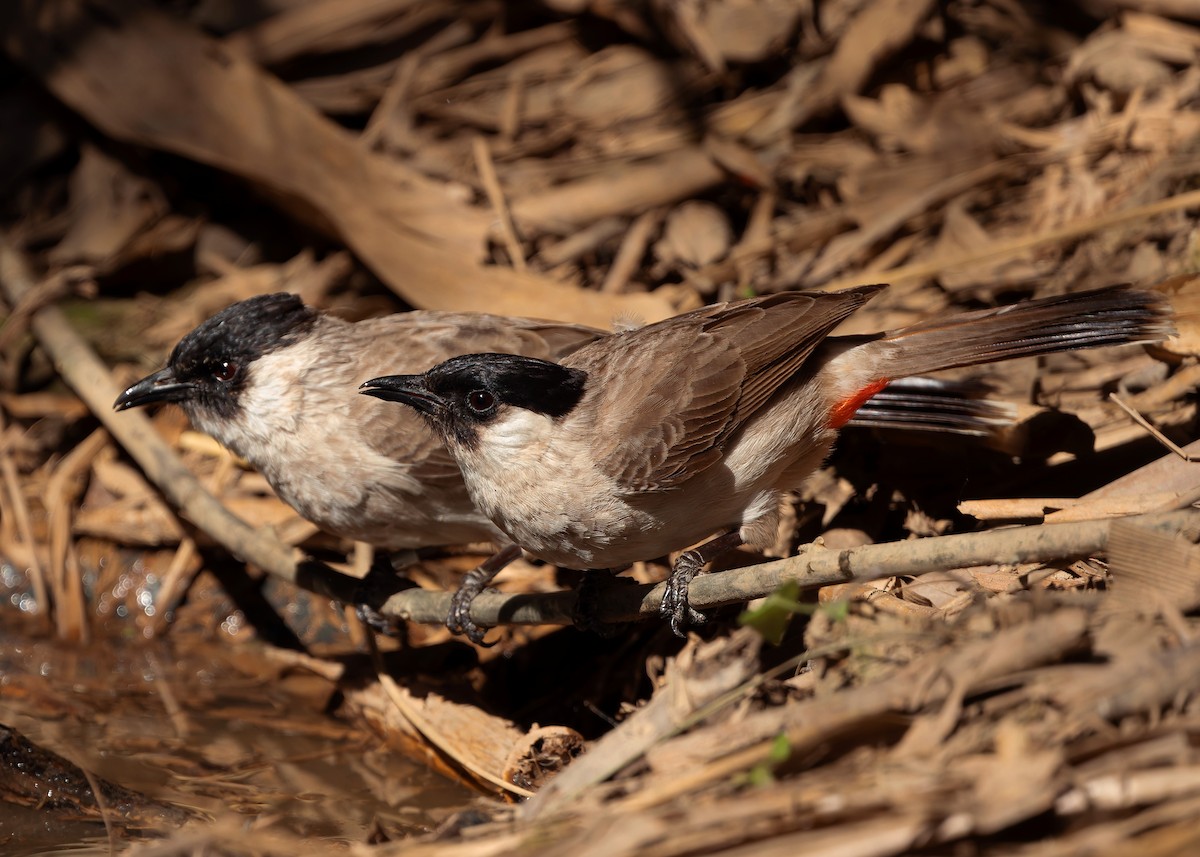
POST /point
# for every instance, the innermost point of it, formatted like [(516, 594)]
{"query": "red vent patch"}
[(844, 411)]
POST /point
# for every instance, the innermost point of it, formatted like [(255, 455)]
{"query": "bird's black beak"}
[(407, 389), (162, 386)]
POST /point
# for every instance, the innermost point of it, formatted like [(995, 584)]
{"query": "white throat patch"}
[(516, 431)]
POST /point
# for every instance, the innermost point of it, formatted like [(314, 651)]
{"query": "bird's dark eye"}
[(480, 401), (225, 372)]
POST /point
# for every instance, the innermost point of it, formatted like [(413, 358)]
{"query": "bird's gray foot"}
[(675, 606), (373, 591), (476, 580), (459, 619)]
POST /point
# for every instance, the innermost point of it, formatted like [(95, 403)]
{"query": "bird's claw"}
[(459, 618), (376, 621), (376, 587), (675, 607)]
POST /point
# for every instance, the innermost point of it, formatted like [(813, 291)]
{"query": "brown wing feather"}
[(711, 369), (673, 425)]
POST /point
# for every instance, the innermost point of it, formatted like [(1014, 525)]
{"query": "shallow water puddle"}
[(207, 731)]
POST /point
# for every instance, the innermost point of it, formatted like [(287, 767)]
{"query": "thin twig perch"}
[(814, 567)]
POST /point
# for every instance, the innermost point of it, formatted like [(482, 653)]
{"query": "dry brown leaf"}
[(1135, 56), (110, 206), (564, 87), (332, 25), (901, 120), (29, 406), (966, 59), (740, 31), (937, 589), (615, 85), (625, 189), (880, 220), (541, 754), (739, 160), (134, 521), (1118, 62), (696, 233), (482, 743), (878, 28), (123, 481), (962, 235)]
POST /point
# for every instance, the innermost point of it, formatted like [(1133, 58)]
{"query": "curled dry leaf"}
[(541, 753), (874, 31)]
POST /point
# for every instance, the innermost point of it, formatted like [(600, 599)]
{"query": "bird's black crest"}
[(247, 330), (524, 382)]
